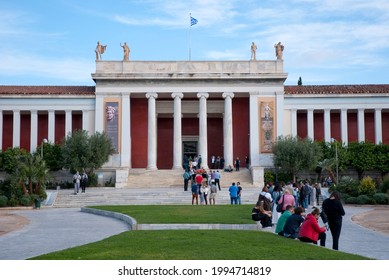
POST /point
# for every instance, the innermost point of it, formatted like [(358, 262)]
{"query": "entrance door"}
[(189, 148)]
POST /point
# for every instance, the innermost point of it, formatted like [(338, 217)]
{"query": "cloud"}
[(71, 70)]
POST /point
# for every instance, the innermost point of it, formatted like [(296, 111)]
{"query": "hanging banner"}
[(112, 122), (267, 124)]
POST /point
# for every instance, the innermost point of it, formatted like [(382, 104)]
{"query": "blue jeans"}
[(234, 200)]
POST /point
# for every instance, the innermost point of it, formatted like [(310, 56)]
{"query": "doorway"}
[(189, 148)]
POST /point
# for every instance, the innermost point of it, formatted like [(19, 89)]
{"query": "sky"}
[(327, 42)]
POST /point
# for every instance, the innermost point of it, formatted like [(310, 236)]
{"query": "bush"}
[(364, 199), (367, 186), (348, 185), (385, 184), (381, 198), (3, 201), (25, 200)]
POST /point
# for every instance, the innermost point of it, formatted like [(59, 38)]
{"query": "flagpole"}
[(190, 35)]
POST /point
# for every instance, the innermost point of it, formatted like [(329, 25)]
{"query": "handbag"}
[(279, 206)]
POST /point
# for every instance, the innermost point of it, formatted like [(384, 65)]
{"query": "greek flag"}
[(193, 21)]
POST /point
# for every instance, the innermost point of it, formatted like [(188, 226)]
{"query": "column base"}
[(258, 176), (121, 178)]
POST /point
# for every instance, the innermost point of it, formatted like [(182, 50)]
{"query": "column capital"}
[(151, 95), (228, 94), (125, 94), (202, 94), (177, 94), (378, 109)]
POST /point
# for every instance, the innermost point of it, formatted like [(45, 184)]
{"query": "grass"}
[(195, 244)]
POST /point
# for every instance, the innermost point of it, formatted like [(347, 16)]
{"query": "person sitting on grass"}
[(289, 210), (310, 230), (293, 223), (259, 214)]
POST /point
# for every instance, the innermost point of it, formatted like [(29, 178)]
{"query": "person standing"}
[(76, 182), (217, 179), (186, 176), (239, 193), (237, 164), (233, 193), (213, 190), (334, 210), (195, 193), (84, 181)]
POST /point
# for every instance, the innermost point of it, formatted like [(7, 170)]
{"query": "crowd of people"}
[(286, 206)]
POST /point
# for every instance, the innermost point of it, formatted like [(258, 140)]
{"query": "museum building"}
[(155, 112)]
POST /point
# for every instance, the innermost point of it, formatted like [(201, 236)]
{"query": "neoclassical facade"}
[(155, 112)]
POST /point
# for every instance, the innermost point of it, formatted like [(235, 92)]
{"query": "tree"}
[(381, 152), (83, 152), (292, 154), (361, 157), (52, 155), (31, 170)]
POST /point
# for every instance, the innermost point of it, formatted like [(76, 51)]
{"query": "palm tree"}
[(328, 165), (31, 170)]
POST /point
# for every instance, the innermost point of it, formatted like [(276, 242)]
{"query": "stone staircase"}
[(139, 178), (154, 187)]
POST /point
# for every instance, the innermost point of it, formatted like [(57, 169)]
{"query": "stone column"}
[(125, 153), (177, 137), (51, 126), (343, 126), (361, 125), (152, 132), (33, 130), (99, 114), (227, 129), (68, 122), (310, 123), (293, 127), (203, 140), (16, 129), (378, 125), (327, 125), (85, 121)]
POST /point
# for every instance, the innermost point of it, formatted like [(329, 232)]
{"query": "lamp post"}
[(336, 158), (44, 141)]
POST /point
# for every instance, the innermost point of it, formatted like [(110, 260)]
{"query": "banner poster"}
[(267, 124), (112, 123)]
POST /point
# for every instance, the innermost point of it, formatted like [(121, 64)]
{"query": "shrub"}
[(269, 176), (351, 200), (385, 184), (348, 185), (13, 201), (381, 198), (3, 201), (364, 199), (25, 200), (367, 186)]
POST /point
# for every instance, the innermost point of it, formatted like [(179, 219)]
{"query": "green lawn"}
[(195, 244)]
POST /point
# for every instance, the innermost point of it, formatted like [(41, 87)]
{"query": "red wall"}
[(77, 121), (352, 125), (336, 126), (302, 125), (59, 128), (240, 130), (318, 126), (43, 124), (369, 127), (165, 143), (25, 131), (7, 131), (385, 128), (139, 117)]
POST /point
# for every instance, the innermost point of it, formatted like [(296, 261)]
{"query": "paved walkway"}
[(53, 229)]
